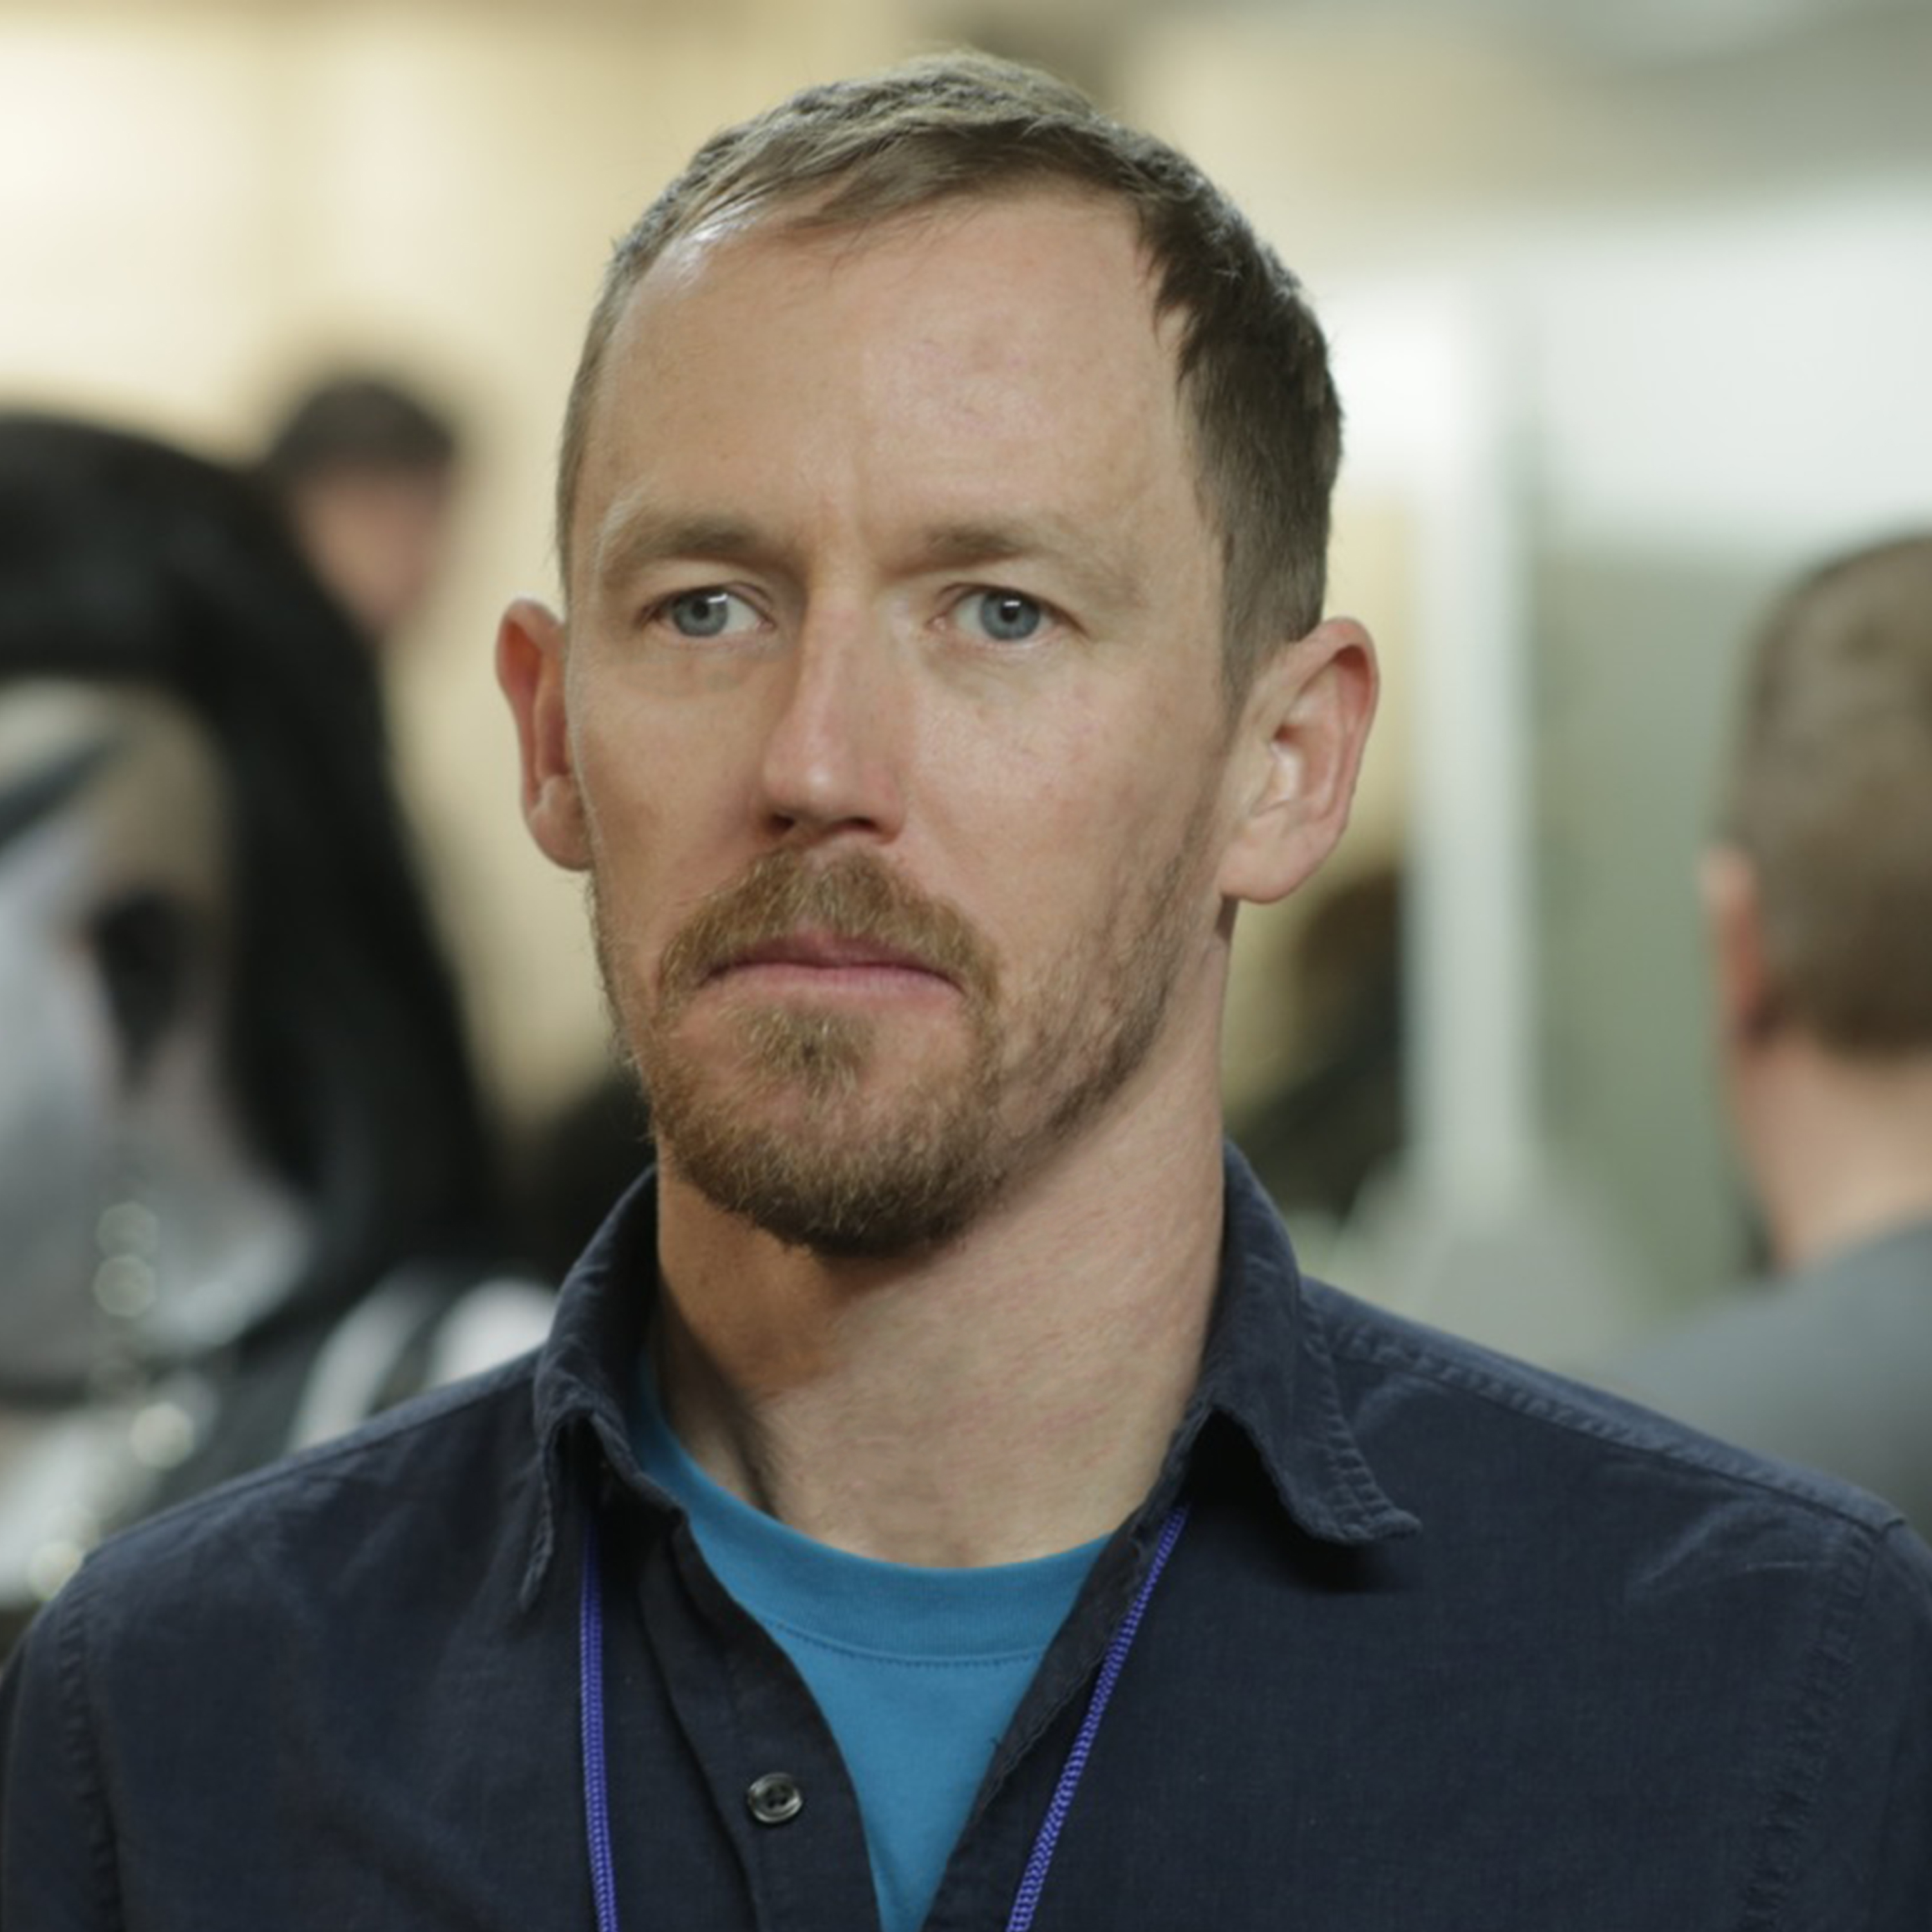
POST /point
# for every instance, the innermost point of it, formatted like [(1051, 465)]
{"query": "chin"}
[(850, 1175)]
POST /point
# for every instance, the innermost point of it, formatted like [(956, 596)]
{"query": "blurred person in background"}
[(1336, 1126), (246, 1191), (570, 1163), (365, 469), (942, 1500), (1819, 898)]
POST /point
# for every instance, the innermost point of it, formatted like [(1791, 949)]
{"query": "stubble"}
[(796, 1122)]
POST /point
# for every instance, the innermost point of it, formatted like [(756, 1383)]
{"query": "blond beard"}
[(793, 1130)]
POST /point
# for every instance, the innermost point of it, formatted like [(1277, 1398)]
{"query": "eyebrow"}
[(45, 788), (639, 535), (1099, 575)]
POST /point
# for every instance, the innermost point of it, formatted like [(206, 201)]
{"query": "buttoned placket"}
[(777, 1799)]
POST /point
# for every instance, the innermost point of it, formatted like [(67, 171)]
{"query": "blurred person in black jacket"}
[(245, 1180)]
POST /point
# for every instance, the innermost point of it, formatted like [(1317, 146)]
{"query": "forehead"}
[(989, 334)]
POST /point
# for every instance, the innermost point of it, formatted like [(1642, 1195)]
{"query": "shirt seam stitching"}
[(322, 1462), (980, 1660), (1791, 1801), (78, 1732), (1360, 1344)]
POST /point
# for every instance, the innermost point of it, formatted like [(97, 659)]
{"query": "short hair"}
[(1253, 363), (355, 422), (126, 561), (1831, 798)]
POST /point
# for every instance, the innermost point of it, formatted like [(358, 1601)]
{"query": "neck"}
[(1840, 1149), (1003, 1397)]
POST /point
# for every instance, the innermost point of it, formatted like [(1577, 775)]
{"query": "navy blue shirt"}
[(1448, 1643)]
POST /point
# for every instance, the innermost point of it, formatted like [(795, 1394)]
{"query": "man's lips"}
[(827, 957)]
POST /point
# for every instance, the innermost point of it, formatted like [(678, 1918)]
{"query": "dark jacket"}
[(1448, 1642)]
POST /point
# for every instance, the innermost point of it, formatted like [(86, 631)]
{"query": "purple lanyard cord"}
[(1033, 1880), (596, 1771)]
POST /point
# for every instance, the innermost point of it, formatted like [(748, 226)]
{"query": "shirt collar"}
[(1267, 1370), (581, 1393)]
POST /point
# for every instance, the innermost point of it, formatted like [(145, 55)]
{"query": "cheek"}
[(1049, 864), (640, 779), (630, 831), (1106, 789), (1059, 818), (665, 825)]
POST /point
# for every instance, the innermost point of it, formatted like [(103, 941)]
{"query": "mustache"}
[(854, 897)]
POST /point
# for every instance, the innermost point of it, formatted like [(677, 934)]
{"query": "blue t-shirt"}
[(918, 1671)]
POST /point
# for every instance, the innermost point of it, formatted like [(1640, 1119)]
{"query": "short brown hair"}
[(1832, 797), (1253, 366)]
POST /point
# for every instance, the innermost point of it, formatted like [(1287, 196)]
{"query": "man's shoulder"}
[(1480, 1414), (1637, 1612), (420, 1477), (1828, 1366), (279, 1658)]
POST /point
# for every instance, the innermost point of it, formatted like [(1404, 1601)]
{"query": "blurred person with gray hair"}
[(1818, 893)]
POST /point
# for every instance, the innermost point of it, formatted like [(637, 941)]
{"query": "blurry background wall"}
[(1630, 305)]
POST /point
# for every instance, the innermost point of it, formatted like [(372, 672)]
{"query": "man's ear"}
[(1734, 918), (530, 668), (1296, 752)]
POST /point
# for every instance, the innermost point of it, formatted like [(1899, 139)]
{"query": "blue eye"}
[(1005, 616), (710, 612)]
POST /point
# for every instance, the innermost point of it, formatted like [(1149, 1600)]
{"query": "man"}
[(1819, 898), (940, 1501)]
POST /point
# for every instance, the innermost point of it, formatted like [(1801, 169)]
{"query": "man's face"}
[(890, 717)]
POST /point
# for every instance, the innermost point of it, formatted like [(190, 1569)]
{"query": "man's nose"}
[(835, 755)]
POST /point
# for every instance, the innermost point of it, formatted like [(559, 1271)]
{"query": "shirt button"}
[(775, 1799)]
